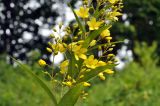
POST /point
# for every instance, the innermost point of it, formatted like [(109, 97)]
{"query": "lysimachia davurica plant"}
[(87, 47)]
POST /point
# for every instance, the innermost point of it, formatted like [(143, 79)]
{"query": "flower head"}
[(93, 24), (42, 63), (91, 62), (58, 48), (93, 42), (82, 12), (101, 76), (86, 84), (78, 51), (113, 15), (49, 50), (105, 33), (64, 66), (108, 71), (112, 1)]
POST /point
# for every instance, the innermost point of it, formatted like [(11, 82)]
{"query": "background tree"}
[(21, 23), (140, 22)]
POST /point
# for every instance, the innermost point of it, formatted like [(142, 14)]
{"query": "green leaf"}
[(78, 21), (72, 62), (38, 80), (71, 97), (94, 73), (93, 35)]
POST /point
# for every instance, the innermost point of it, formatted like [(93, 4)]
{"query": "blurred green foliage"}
[(16, 89), (136, 85)]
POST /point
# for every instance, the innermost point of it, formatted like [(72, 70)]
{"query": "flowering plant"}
[(87, 46)]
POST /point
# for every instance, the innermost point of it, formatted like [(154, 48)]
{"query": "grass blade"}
[(38, 80)]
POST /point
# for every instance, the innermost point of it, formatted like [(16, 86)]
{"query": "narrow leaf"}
[(38, 80), (71, 97), (93, 35), (72, 62), (94, 72)]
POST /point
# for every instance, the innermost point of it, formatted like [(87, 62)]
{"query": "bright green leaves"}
[(71, 97)]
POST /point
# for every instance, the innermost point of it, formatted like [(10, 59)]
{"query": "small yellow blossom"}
[(113, 15), (112, 1), (64, 66), (49, 50), (58, 47), (105, 33), (82, 12), (91, 62), (93, 24), (42, 63), (68, 83), (86, 84), (108, 71), (108, 39), (92, 43), (101, 63), (79, 52), (110, 55), (81, 76), (101, 76), (110, 49)]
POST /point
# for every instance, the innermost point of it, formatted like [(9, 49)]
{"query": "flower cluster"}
[(87, 45)]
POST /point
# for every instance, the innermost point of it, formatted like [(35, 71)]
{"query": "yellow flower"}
[(93, 24), (49, 50), (108, 38), (86, 84), (79, 52), (110, 55), (91, 62), (112, 1), (92, 43), (64, 66), (113, 15), (68, 83), (101, 63), (82, 12), (105, 33), (58, 48), (42, 63), (101, 76), (108, 71), (81, 76)]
